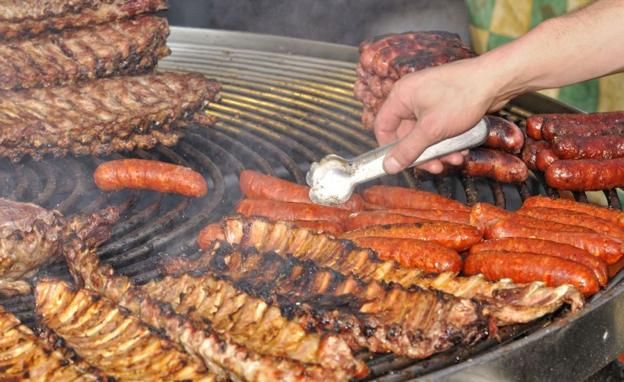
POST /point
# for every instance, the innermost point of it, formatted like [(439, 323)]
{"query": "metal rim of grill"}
[(285, 103)]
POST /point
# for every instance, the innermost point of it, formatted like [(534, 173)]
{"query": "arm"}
[(438, 103)]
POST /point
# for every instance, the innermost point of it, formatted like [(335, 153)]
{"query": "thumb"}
[(410, 147)]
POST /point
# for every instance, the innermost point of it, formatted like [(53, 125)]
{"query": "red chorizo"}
[(412, 253), (545, 225), (453, 216), (609, 214), (598, 147), (546, 247), (255, 185), (276, 210), (485, 215), (544, 158), (153, 175), (208, 234), (534, 126), (586, 174), (504, 135), (401, 197), (496, 165), (529, 152), (378, 217), (525, 267), (320, 226)]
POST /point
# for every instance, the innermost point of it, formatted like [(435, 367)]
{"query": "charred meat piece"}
[(101, 116), (27, 18), (378, 316), (24, 356), (123, 47), (507, 302)]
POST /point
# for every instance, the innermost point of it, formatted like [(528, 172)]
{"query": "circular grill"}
[(278, 113)]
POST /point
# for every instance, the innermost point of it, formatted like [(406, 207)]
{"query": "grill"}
[(285, 103)]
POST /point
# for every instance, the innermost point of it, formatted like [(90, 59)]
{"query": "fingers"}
[(409, 148), (394, 112)]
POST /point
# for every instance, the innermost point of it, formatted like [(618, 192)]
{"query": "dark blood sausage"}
[(544, 158), (614, 216), (153, 175), (400, 197), (276, 210), (525, 267), (255, 185), (595, 147), (459, 237), (529, 152), (546, 247), (574, 218), (605, 247), (210, 233), (504, 135), (586, 174), (412, 253), (320, 226), (496, 165)]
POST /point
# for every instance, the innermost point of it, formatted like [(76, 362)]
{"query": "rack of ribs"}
[(101, 116), (117, 48), (27, 18)]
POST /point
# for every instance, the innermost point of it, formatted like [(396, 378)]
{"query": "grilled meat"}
[(506, 301), (106, 336), (31, 17), (366, 314), (123, 47), (26, 357), (219, 351), (101, 116), (31, 236)]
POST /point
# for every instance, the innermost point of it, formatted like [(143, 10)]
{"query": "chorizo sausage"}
[(459, 237), (599, 147), (546, 247), (208, 234), (412, 253), (534, 125), (376, 217), (529, 152), (526, 267), (544, 158), (504, 135), (401, 197), (320, 226), (546, 126), (255, 185), (485, 215), (275, 210), (586, 174), (496, 165), (153, 175), (605, 213)]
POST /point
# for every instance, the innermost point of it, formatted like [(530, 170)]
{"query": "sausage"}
[(614, 269), (453, 216), (529, 152), (544, 158), (376, 217), (276, 210), (526, 267), (609, 214), (534, 126), (153, 175), (485, 215), (255, 185), (586, 174), (550, 248), (401, 197), (544, 225), (320, 226), (208, 234), (412, 253), (546, 126), (459, 237), (504, 135), (605, 247), (496, 165), (551, 130), (599, 147), (574, 218)]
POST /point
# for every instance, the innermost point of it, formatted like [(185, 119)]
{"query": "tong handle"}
[(369, 165)]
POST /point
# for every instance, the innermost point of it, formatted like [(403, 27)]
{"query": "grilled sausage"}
[(504, 135), (529, 152), (485, 215), (544, 158), (320, 226), (378, 217), (545, 225), (276, 210), (400, 197), (525, 267), (534, 126), (412, 253), (459, 237), (586, 174), (605, 213), (614, 269), (597, 147), (255, 185), (551, 130), (496, 165), (546, 247), (605, 247), (453, 216), (149, 175), (208, 234)]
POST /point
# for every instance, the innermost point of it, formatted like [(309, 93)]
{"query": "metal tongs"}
[(333, 178)]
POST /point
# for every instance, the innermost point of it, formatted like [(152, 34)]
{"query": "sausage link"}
[(534, 126), (485, 215), (496, 165), (504, 135), (401, 197), (609, 214), (586, 174), (255, 185), (614, 269), (153, 175), (376, 217), (459, 237), (544, 158), (412, 253), (550, 248), (600, 147), (275, 210), (208, 234), (605, 247), (529, 152), (526, 267), (320, 226), (571, 124)]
